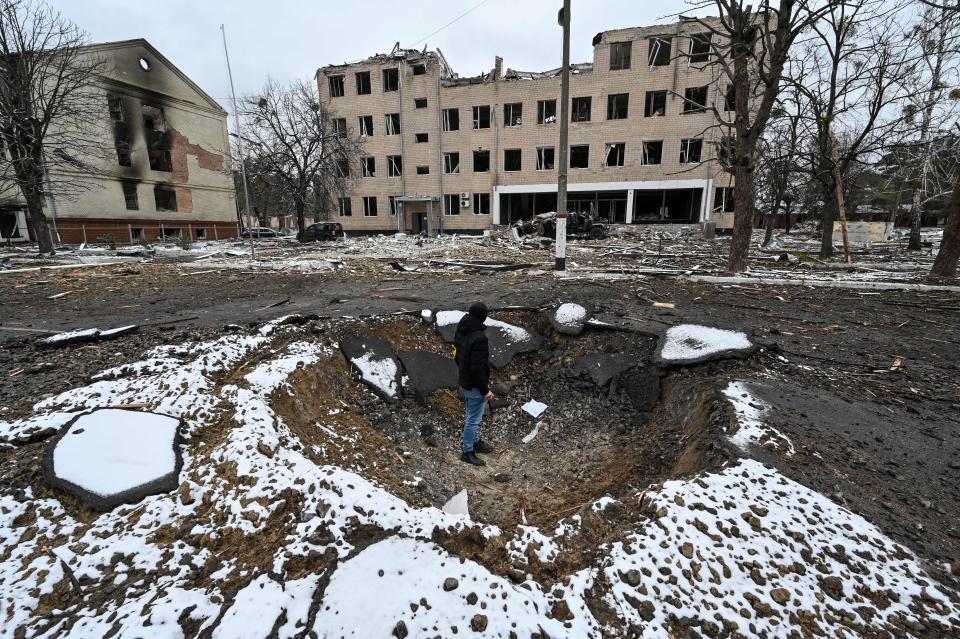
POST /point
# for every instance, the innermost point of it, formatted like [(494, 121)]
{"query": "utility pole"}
[(236, 120), (561, 237)]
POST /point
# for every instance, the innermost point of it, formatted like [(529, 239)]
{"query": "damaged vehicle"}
[(578, 225), (321, 232)]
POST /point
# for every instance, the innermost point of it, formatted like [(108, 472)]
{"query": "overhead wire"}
[(462, 15)]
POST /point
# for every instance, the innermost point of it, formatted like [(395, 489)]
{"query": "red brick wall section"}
[(184, 200), (180, 148), (74, 231)]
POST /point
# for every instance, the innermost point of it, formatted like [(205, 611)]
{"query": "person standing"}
[(473, 362)]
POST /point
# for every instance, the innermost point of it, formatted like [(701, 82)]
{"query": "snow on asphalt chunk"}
[(751, 428), (686, 342), (381, 373), (110, 451), (570, 314), (512, 331)]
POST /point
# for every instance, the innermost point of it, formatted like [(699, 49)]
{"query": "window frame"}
[(362, 121), (446, 120), (654, 57), (448, 164), (130, 189), (645, 155), (478, 120), (613, 100), (541, 156), (393, 84), (541, 111), (451, 198), (622, 62), (691, 106), (392, 124), (484, 153), (518, 155), (344, 207), (360, 85), (336, 80), (394, 166), (368, 167), (573, 109), (621, 147), (650, 101), (512, 115), (478, 199), (685, 145), (700, 56), (587, 156), (370, 203), (420, 103)]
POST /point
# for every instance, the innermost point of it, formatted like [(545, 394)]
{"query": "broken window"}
[(394, 165), (336, 86), (451, 204), (730, 98), (420, 103), (363, 83), (656, 104), (167, 233), (723, 200), (512, 160), (615, 154), (201, 234), (620, 55), (391, 80), (481, 203), (123, 152), (153, 119), (545, 158), (451, 119), (451, 163), (339, 125), (651, 152), (165, 198), (369, 166), (694, 99), (158, 143), (116, 108), (690, 150), (130, 196), (423, 170), (481, 117), (136, 233), (513, 114), (726, 147), (481, 161), (421, 138), (581, 109), (343, 168), (659, 51), (392, 200), (546, 112), (579, 156), (617, 106), (370, 206), (392, 123), (366, 125), (344, 208), (159, 160), (700, 47), (419, 69)]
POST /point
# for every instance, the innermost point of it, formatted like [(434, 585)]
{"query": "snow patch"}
[(570, 314), (381, 373), (751, 427), (686, 342)]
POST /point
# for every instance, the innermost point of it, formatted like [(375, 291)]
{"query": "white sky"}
[(289, 39)]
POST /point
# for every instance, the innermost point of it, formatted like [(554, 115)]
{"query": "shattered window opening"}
[(344, 208), (690, 150), (168, 233), (130, 197), (394, 165), (136, 233), (615, 153), (660, 51), (481, 203), (336, 86), (391, 80), (723, 200), (339, 125), (651, 152), (451, 119), (620, 55), (656, 104), (423, 170), (363, 82), (512, 160), (694, 100), (481, 161), (153, 119), (159, 160), (116, 108), (419, 103), (545, 158), (369, 166), (700, 47), (165, 199), (513, 114), (617, 105), (730, 98), (370, 206), (420, 138), (580, 156), (392, 200), (201, 234), (392, 125), (581, 109), (451, 163), (419, 69), (481, 117), (123, 152), (343, 168), (546, 112), (451, 204), (366, 125)]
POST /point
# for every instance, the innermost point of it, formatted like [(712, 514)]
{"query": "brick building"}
[(455, 153), (165, 170)]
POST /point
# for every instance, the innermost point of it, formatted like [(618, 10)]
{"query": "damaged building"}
[(450, 153), (164, 172)]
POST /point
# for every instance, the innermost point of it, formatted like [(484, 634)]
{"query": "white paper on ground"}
[(533, 433), (458, 504), (534, 408)]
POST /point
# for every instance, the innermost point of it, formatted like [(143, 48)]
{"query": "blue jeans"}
[(475, 405)]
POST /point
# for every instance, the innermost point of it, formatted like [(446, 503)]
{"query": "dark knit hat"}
[(479, 310)]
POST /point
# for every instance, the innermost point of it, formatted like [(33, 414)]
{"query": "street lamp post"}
[(561, 235)]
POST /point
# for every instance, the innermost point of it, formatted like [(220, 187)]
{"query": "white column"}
[(707, 204), (496, 205), (629, 218)]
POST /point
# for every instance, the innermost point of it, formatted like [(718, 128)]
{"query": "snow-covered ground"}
[(691, 342), (262, 537)]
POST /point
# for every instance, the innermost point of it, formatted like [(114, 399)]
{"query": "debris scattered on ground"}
[(534, 408)]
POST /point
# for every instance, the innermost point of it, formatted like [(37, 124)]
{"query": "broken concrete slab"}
[(602, 367), (506, 340), (686, 344), (428, 372), (85, 335), (569, 318), (375, 364), (114, 456)]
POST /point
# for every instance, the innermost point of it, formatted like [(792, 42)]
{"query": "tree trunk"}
[(38, 221), (826, 221), (916, 214), (745, 147), (299, 206), (771, 220), (945, 265)]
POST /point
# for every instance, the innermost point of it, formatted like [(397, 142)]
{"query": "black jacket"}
[(473, 354)]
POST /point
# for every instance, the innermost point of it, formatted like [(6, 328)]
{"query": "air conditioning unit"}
[(464, 200)]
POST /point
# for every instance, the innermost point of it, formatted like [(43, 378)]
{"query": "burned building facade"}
[(164, 170), (461, 154)]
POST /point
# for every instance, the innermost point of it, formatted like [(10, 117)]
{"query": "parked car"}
[(258, 232), (321, 232)]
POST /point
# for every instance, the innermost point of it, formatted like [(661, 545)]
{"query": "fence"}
[(117, 233)]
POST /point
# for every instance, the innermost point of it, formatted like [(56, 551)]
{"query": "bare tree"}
[(297, 141), (751, 46), (51, 113), (780, 155)]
